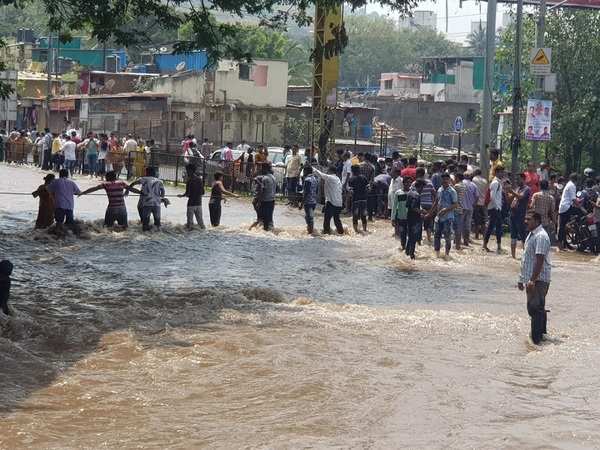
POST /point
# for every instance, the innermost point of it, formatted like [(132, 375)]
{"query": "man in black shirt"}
[(358, 183), (194, 190), (414, 216)]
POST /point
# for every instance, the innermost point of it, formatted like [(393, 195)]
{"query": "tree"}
[(476, 41), (377, 45), (574, 36)]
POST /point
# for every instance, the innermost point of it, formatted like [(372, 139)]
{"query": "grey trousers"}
[(194, 211)]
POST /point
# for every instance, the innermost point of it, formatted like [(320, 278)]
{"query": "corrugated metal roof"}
[(121, 95)]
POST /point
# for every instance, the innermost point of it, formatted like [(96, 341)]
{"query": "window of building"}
[(227, 117), (212, 116), (259, 118), (387, 84), (244, 71), (196, 115), (274, 118)]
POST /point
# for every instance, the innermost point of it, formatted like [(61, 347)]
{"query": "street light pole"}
[(486, 107), (541, 30), (516, 129)]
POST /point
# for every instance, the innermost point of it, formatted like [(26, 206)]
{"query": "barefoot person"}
[(45, 216), (535, 275)]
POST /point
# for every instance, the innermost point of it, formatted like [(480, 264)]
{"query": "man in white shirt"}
[(565, 209), (293, 167), (69, 151), (243, 147), (333, 199), (227, 152), (130, 145), (495, 210), (535, 275)]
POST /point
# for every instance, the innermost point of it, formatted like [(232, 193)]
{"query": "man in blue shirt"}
[(64, 191), (445, 203)]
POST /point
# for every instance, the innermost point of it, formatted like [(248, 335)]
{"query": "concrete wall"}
[(187, 88), (412, 117), (248, 92), (405, 86)]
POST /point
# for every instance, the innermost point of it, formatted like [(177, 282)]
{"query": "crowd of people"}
[(93, 154)]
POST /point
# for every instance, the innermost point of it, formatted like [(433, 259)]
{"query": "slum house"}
[(232, 102), (140, 113)]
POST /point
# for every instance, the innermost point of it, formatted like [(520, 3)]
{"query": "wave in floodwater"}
[(157, 368), (233, 338)]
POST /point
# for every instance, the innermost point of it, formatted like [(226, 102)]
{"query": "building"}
[(477, 25), (453, 79), (141, 113), (233, 102), (95, 59), (419, 19), (401, 85), (97, 82)]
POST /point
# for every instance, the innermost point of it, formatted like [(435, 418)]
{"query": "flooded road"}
[(244, 339)]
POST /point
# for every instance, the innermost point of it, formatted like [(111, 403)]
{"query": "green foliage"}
[(377, 45), (476, 41), (574, 36)]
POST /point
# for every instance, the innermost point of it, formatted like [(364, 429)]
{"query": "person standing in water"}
[(535, 275), (400, 212), (116, 211), (267, 187), (358, 185), (216, 196), (495, 210), (194, 190), (445, 203), (151, 197), (64, 191), (414, 217), (332, 187), (45, 216), (309, 191)]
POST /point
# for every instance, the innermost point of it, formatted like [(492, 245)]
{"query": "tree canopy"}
[(377, 45), (574, 36)]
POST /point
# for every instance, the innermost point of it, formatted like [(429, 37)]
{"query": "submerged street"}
[(231, 338)]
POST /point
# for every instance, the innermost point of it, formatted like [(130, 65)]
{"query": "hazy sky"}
[(459, 19)]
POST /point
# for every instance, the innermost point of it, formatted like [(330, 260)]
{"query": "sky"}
[(459, 19)]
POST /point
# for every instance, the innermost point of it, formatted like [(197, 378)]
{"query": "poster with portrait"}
[(538, 126)]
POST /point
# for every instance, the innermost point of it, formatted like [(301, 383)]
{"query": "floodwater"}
[(231, 338)]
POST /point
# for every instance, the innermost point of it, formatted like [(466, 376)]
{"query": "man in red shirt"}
[(411, 170), (532, 179)]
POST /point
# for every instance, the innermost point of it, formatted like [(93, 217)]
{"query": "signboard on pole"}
[(459, 124), (541, 61), (538, 126)]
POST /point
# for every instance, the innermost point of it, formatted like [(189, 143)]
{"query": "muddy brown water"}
[(236, 339)]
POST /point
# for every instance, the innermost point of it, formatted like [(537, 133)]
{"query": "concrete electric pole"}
[(487, 106)]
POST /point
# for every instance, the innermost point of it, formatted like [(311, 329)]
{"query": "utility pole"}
[(487, 106), (541, 30), (49, 81), (516, 114)]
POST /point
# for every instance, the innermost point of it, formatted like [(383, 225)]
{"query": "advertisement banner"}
[(538, 126)]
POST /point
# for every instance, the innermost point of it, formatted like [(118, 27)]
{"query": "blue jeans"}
[(518, 229), (64, 216), (494, 225), (146, 211), (92, 162), (309, 215), (70, 165), (414, 233), (443, 229)]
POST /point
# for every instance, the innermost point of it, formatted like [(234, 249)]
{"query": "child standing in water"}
[(6, 269), (216, 195)]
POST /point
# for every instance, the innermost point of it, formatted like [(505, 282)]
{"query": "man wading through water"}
[(535, 275)]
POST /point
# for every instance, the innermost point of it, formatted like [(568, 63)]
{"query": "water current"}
[(230, 338)]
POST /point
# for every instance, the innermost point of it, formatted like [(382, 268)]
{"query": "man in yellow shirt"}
[(495, 161), (57, 158)]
